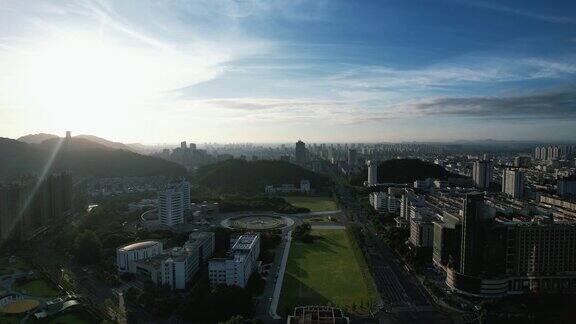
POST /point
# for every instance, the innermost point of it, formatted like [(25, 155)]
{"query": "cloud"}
[(558, 104), (486, 70), (493, 6)]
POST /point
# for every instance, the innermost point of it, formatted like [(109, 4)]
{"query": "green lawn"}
[(327, 272), (37, 288), (315, 204)]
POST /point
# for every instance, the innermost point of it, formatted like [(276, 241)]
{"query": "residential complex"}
[(28, 206)]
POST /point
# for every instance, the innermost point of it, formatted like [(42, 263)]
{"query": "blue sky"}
[(271, 71)]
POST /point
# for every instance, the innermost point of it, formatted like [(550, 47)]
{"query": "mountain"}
[(80, 156), (239, 176), (36, 138), (405, 171), (42, 137), (110, 144)]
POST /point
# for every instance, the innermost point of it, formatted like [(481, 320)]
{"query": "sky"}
[(281, 70)]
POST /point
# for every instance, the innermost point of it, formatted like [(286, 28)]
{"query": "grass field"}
[(37, 288), (329, 271), (315, 204)]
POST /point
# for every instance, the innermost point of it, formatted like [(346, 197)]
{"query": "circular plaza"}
[(257, 222)]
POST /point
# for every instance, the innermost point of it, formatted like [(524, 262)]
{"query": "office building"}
[(174, 204), (237, 268), (176, 267), (470, 245), (384, 202), (372, 172), (300, 153), (482, 174), (421, 232), (513, 183), (566, 186), (205, 241), (127, 255)]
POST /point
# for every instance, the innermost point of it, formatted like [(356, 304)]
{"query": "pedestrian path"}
[(279, 281)]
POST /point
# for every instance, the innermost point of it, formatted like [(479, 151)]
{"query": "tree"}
[(302, 233), (256, 284), (87, 248)]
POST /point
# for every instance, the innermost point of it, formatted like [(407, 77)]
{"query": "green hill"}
[(239, 176), (405, 171), (81, 156)]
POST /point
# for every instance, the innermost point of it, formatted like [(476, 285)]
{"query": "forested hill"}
[(80, 156), (405, 171), (239, 176)]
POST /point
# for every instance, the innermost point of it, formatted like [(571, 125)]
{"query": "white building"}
[(372, 172), (236, 269), (513, 183), (384, 202), (127, 255), (174, 203), (408, 200), (288, 188), (482, 174), (180, 266), (175, 268)]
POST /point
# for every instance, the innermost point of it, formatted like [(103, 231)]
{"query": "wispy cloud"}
[(558, 104), (494, 6), (478, 71)]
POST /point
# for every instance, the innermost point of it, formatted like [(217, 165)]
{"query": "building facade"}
[(482, 173), (239, 266), (513, 183), (127, 255)]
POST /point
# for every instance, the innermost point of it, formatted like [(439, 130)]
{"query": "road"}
[(402, 298), (273, 287)]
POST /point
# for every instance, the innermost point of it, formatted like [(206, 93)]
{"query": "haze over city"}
[(274, 71), (287, 161)]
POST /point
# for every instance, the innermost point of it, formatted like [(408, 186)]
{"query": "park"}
[(328, 271)]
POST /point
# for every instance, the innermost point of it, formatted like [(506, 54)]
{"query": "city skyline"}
[(277, 71)]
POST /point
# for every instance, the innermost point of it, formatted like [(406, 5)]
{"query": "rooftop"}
[(138, 245)]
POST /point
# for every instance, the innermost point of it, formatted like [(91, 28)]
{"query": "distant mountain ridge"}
[(36, 138), (42, 137), (81, 156), (239, 176)]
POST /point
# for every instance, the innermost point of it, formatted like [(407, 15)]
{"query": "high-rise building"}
[(482, 174), (513, 183), (566, 186), (32, 204), (372, 172), (300, 153), (352, 156), (183, 146), (470, 246), (174, 203)]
